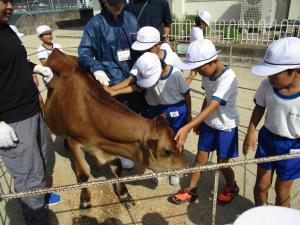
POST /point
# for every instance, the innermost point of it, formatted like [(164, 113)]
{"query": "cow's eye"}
[(168, 152)]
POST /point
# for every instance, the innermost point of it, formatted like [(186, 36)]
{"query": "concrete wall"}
[(221, 9), (27, 23), (226, 9), (294, 10)]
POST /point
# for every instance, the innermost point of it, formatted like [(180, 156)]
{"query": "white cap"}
[(269, 215), (149, 70), (146, 38), (205, 16), (199, 52), (281, 55), (43, 29), (170, 57), (15, 29)]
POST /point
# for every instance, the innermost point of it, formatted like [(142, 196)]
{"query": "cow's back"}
[(78, 106)]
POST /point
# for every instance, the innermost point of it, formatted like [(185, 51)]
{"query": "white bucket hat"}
[(281, 55), (15, 29), (149, 70), (205, 16), (199, 52), (269, 215), (170, 57), (146, 38), (43, 29)]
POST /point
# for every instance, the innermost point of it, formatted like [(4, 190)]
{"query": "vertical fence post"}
[(216, 186), (230, 55)]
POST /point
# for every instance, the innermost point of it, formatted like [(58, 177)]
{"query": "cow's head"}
[(161, 150)]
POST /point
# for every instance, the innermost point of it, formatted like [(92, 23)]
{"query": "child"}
[(166, 92), (280, 134), (148, 40), (218, 120), (202, 20), (44, 33)]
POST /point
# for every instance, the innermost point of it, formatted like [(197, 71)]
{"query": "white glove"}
[(45, 71), (8, 136), (102, 77)]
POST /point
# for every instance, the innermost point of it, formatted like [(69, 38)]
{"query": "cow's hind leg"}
[(82, 171), (120, 188)]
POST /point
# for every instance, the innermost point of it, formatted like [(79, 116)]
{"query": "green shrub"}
[(233, 33)]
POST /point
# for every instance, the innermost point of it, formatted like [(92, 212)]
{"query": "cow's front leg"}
[(82, 171), (120, 188)]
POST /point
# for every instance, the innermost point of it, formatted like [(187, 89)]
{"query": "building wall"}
[(223, 9), (219, 9), (294, 10)]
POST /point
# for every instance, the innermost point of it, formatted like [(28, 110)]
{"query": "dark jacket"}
[(102, 38), (154, 13), (18, 93)]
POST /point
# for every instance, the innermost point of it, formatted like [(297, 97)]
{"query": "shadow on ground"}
[(14, 213), (87, 220), (147, 219)]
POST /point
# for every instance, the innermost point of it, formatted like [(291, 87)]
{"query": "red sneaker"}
[(228, 193), (187, 195)]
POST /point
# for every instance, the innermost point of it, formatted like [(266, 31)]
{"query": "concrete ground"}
[(152, 205)]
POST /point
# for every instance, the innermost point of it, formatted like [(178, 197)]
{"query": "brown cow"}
[(81, 111)]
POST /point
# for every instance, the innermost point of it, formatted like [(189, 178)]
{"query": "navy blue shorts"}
[(270, 144), (224, 141), (176, 114)]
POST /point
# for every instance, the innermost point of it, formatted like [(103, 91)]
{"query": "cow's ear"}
[(161, 121)]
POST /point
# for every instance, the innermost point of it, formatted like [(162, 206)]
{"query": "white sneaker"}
[(174, 180), (127, 163)]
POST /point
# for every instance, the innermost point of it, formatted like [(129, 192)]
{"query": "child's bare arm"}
[(206, 111), (181, 135), (188, 101), (191, 77), (123, 84), (250, 139), (127, 90)]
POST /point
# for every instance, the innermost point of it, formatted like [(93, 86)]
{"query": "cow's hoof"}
[(129, 204), (85, 205)]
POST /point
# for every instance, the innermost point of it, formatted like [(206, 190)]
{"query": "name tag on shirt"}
[(123, 55), (294, 151), (174, 114)]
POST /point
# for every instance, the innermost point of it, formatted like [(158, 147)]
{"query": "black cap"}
[(116, 2)]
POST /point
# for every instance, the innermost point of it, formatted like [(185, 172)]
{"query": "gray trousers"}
[(26, 163)]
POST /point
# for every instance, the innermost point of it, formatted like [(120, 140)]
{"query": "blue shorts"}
[(270, 144), (224, 141), (176, 114)]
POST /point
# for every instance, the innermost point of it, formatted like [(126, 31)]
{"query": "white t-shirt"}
[(224, 89), (169, 90), (196, 34), (43, 52), (283, 112)]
